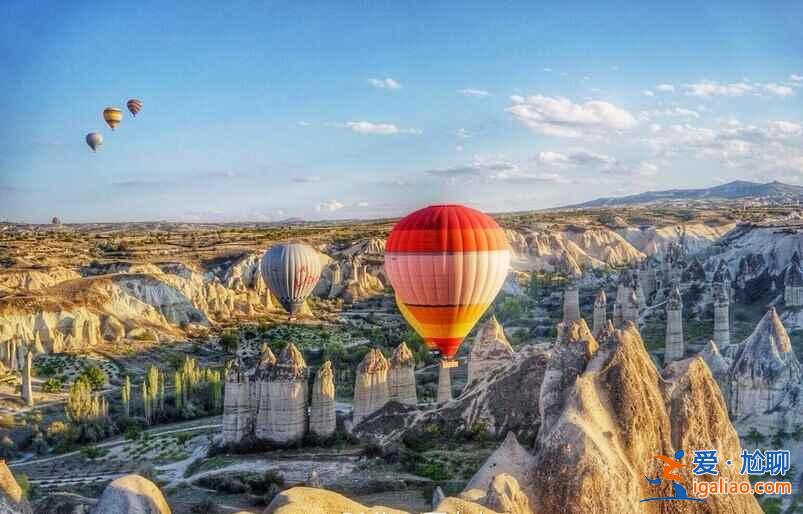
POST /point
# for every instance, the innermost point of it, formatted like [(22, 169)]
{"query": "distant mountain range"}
[(736, 190)]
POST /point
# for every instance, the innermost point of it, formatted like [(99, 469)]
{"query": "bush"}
[(95, 376), (52, 385), (230, 341)]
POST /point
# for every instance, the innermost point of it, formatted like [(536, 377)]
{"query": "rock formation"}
[(569, 359), (793, 283), (510, 458), (489, 350), (27, 390), (309, 500), (268, 400), (764, 369), (444, 383), (371, 387), (236, 404), (12, 499), (323, 420), (131, 494), (401, 376), (263, 373), (675, 347), (571, 304), (630, 309), (722, 329), (287, 397), (600, 311)]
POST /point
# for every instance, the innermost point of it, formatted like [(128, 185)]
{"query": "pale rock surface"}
[(444, 384), (509, 458), (571, 303), (131, 494), (401, 376), (308, 500), (371, 387), (675, 346), (489, 350), (600, 312), (12, 500), (287, 392), (764, 369), (323, 418)]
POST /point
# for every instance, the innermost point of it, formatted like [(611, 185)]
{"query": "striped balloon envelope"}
[(134, 105), (112, 116), (446, 264), (291, 271)]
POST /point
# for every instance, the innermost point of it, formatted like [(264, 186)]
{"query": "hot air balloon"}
[(446, 263), (113, 116), (291, 271), (134, 105), (94, 140)]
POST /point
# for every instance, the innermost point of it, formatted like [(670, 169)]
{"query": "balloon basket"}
[(449, 363)]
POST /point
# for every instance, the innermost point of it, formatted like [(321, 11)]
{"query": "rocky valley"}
[(151, 368)]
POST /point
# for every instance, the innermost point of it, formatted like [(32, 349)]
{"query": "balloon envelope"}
[(446, 264), (134, 105), (94, 140), (113, 116), (291, 271)]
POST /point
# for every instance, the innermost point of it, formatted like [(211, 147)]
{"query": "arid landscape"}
[(618, 334), (398, 257)]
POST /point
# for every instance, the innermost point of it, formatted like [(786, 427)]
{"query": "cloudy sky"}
[(270, 110)]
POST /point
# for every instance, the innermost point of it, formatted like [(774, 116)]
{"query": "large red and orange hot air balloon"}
[(446, 263)]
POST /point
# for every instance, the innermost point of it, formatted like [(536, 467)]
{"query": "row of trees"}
[(195, 390)]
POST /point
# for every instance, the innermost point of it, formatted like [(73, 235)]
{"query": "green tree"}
[(95, 376)]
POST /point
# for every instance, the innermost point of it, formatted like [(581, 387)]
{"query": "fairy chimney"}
[(721, 316), (600, 311), (489, 350), (401, 376), (371, 387), (323, 419), (287, 398), (674, 327), (571, 304), (262, 383)]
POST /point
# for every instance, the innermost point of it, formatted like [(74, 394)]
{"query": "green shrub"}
[(95, 376), (52, 385)]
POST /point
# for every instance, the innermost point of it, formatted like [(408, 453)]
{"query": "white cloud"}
[(306, 180), (361, 205), (709, 88), (796, 78), (386, 83), (665, 88), (384, 129), (777, 89), (329, 206), (642, 169), (474, 93), (463, 133), (675, 112), (560, 117), (785, 127), (494, 171), (548, 70), (575, 158), (647, 92)]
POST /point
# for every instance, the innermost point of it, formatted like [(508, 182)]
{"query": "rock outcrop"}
[(444, 383), (371, 387), (675, 347), (323, 419), (489, 350), (571, 304), (764, 369), (12, 499), (131, 494), (401, 376), (309, 500), (287, 398), (600, 312), (722, 329)]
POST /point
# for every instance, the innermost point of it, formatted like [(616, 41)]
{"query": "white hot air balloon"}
[(94, 140)]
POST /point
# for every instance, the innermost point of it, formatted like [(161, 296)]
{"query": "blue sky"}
[(268, 110)]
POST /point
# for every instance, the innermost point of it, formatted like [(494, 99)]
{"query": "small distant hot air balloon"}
[(94, 140), (291, 271), (113, 116), (446, 263), (134, 105)]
